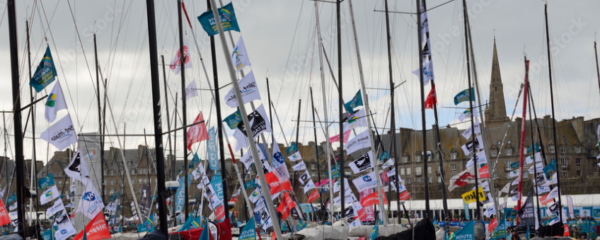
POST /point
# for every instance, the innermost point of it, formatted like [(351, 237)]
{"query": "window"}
[(578, 149), (408, 171), (596, 167), (405, 159), (429, 170), (509, 151), (453, 166), (507, 165), (402, 171), (133, 172), (439, 179), (578, 162), (313, 166), (551, 148), (508, 175), (563, 149), (112, 172), (408, 180), (525, 174), (494, 152), (454, 155), (579, 173), (112, 182), (418, 158), (418, 179), (140, 181), (60, 183), (418, 171), (104, 172), (565, 174), (104, 182), (430, 180), (564, 162)]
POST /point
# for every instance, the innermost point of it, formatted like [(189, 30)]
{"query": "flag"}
[(470, 146), (148, 225), (176, 62), (295, 157), (467, 232), (463, 96), (45, 182), (299, 167), (45, 73), (310, 185), (248, 232), (461, 179), (363, 163), (279, 161), (499, 232), (64, 227), (404, 196), (54, 103), (259, 123), (526, 214), (336, 138), (233, 120), (372, 199), (389, 163), (355, 102), (431, 98), (49, 195), (248, 158), (552, 180), (78, 169), (56, 207), (191, 90), (367, 181), (4, 218), (360, 141), (470, 197), (484, 172), (197, 132), (211, 148), (427, 72), (358, 119), (313, 196), (375, 232), (553, 193), (96, 229), (550, 167), (291, 149), (61, 134), (239, 56), (286, 206), (228, 21), (90, 203), (248, 90), (467, 113)]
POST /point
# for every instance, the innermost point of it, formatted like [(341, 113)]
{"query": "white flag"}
[(539, 166), (355, 223), (55, 102), (467, 133), (310, 185), (388, 163), (515, 182), (304, 177), (65, 227), (427, 72), (78, 169), (14, 207), (90, 203), (239, 56), (357, 119), (295, 156), (543, 189), (299, 167), (514, 173), (279, 162), (365, 182), (191, 90), (259, 123), (466, 114), (249, 91), (61, 134), (176, 63), (468, 147), (480, 159), (49, 195), (360, 141), (538, 158), (553, 193), (199, 171), (552, 180), (255, 195), (337, 186), (570, 206), (363, 163), (57, 207), (489, 211)]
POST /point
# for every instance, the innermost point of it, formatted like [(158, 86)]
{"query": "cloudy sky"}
[(280, 37)]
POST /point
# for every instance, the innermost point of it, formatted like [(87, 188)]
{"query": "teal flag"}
[(384, 156), (233, 120), (355, 102), (536, 147), (228, 20), (187, 225), (211, 147), (195, 160), (466, 206), (464, 96), (217, 184), (466, 233), (148, 226), (500, 230), (45, 73), (291, 149), (375, 231), (46, 182), (47, 235), (85, 233), (550, 167), (248, 232), (12, 198), (300, 225), (515, 165), (250, 184), (205, 232), (335, 171)]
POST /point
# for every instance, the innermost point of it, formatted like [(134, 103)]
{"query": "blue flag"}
[(464, 96), (46, 182), (195, 160), (500, 230), (228, 20), (47, 235), (180, 194), (466, 206), (384, 156), (187, 225), (466, 233), (550, 167), (205, 232), (355, 102), (248, 232), (217, 184), (250, 184), (211, 146), (375, 231), (45, 73), (148, 226), (291, 149), (12, 198), (233, 120)]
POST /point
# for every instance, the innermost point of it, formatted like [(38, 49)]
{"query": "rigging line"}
[(290, 52)]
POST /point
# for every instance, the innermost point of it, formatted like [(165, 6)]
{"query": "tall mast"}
[(312, 102), (162, 57), (182, 59), (472, 118), (553, 115), (328, 150), (16, 98), (219, 117), (522, 142), (294, 188), (423, 120), (160, 157), (597, 67), (33, 159), (437, 130), (340, 107), (535, 173), (99, 116), (240, 102)]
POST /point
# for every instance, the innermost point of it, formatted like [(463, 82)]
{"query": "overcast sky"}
[(281, 43)]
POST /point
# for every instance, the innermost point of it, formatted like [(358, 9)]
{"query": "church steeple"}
[(496, 113)]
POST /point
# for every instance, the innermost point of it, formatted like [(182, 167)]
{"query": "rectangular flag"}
[(355, 102), (431, 98), (78, 169), (46, 182), (363, 163), (463, 96), (49, 195), (364, 182), (191, 90), (95, 230), (470, 197), (279, 162), (360, 141), (56, 207), (211, 147), (228, 20), (259, 123), (336, 138), (176, 62), (248, 90), (45, 73), (90, 203), (55, 102), (467, 113), (358, 119), (61, 134), (197, 133), (233, 120), (239, 56)]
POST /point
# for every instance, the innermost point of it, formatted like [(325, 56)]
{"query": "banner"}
[(355, 102), (95, 230), (364, 182), (176, 62), (228, 20), (279, 161), (197, 132), (470, 197), (372, 199), (180, 194), (363, 163), (249, 231), (49, 195), (500, 230), (211, 147), (61, 134), (54, 103), (367, 210), (464, 96), (360, 141), (248, 90), (90, 203), (46, 182), (217, 183), (145, 202), (45, 73), (404, 196), (466, 233), (526, 213)]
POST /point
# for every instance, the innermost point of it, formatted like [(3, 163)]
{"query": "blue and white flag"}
[(466, 233), (248, 232), (45, 73), (211, 146), (279, 161), (217, 184), (46, 182)]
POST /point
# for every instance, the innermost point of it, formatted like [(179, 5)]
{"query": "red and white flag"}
[(96, 229), (4, 218), (372, 199), (462, 179), (176, 63), (431, 98), (197, 133), (286, 205), (404, 196), (313, 196), (484, 172)]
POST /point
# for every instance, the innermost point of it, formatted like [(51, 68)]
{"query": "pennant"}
[(233, 120), (304, 177), (336, 138), (499, 231), (61, 134), (197, 132), (431, 98), (176, 62), (363, 163), (467, 133), (526, 214), (299, 167), (248, 158), (228, 20), (54, 103), (470, 146), (310, 185), (387, 164), (364, 182), (96, 229), (484, 172), (239, 56), (358, 119), (553, 193), (279, 162), (249, 91), (291, 149), (49, 195), (360, 141), (90, 203), (191, 90), (45, 73), (286, 206), (355, 102)]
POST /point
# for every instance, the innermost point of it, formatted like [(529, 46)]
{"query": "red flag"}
[(336, 138), (404, 195), (220, 212), (372, 199), (484, 172), (234, 199), (4, 219), (544, 200), (362, 214), (313, 196), (286, 206), (493, 224), (96, 229), (197, 133), (273, 182), (566, 233), (431, 99)]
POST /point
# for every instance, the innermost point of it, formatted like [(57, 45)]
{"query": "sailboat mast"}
[(472, 117), (423, 120), (33, 159), (597, 67), (294, 187), (312, 102), (162, 57), (325, 113), (16, 95), (553, 115), (535, 173), (99, 116), (182, 59), (160, 159), (522, 142), (340, 107)]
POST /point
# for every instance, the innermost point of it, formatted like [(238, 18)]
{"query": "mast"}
[(522, 142), (182, 59), (240, 102), (167, 106), (16, 98), (219, 118), (437, 130), (270, 112), (368, 111), (312, 102), (597, 67), (341, 108), (325, 114), (423, 120), (297, 136), (33, 159), (99, 116), (553, 115), (535, 173), (472, 119), (160, 160)]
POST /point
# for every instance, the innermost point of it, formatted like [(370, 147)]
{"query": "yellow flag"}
[(469, 197)]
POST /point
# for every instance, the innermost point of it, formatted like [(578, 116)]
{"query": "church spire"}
[(496, 113)]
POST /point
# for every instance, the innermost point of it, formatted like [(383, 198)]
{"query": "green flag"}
[(464, 96), (355, 102), (233, 120), (228, 20), (45, 73)]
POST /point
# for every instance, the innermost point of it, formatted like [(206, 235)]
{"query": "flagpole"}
[(182, 59), (16, 95), (367, 111), (255, 156), (531, 120), (167, 107), (312, 102), (99, 118), (160, 170), (522, 142), (597, 67), (297, 136), (423, 120)]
